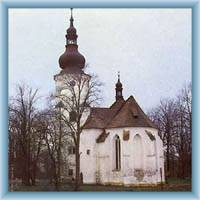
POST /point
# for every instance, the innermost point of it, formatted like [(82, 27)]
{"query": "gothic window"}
[(137, 152), (117, 154), (71, 150)]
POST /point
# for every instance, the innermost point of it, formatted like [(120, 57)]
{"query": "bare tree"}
[(184, 130), (25, 132), (163, 117), (55, 141), (173, 118), (79, 92)]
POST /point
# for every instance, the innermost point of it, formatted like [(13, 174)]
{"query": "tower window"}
[(71, 42), (70, 172), (72, 83), (72, 116), (119, 93), (71, 150)]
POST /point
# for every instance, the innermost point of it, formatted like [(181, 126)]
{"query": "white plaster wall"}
[(98, 166), (88, 163), (160, 158), (101, 157), (61, 81)]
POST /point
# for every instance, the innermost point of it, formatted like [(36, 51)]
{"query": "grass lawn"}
[(172, 185)]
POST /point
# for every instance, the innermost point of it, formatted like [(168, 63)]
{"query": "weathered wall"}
[(63, 88), (98, 167), (141, 157), (62, 83)]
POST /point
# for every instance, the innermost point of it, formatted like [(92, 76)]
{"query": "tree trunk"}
[(77, 179), (167, 159), (56, 182), (33, 172), (25, 171)]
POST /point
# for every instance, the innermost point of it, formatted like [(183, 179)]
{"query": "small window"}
[(88, 152), (119, 93), (72, 116), (70, 172), (71, 150), (72, 83)]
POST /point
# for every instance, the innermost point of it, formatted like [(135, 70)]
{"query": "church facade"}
[(119, 144)]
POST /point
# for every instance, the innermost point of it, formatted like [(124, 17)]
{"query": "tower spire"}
[(118, 76), (71, 18), (71, 58), (118, 88)]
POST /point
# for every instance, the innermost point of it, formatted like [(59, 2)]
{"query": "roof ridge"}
[(145, 116), (122, 100), (123, 113), (123, 104), (131, 104)]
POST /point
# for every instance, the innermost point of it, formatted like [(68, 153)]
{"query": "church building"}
[(119, 144)]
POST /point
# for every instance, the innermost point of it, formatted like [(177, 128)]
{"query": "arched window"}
[(137, 152), (117, 155)]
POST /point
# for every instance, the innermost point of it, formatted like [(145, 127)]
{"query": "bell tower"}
[(72, 85), (71, 62), (118, 89)]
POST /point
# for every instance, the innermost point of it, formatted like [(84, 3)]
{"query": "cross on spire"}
[(118, 75), (71, 18), (71, 12)]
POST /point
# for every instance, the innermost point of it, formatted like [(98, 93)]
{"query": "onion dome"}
[(118, 88), (71, 59)]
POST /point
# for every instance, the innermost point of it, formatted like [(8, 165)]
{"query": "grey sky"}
[(150, 47)]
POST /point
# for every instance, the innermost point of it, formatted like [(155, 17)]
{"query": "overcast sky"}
[(150, 47)]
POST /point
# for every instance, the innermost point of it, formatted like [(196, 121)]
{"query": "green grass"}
[(179, 181), (172, 185)]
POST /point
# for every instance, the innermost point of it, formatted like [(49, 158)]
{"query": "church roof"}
[(98, 118), (121, 114)]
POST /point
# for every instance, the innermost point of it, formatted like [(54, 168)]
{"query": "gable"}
[(130, 115), (121, 114)]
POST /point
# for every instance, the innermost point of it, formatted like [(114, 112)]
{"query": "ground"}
[(172, 185)]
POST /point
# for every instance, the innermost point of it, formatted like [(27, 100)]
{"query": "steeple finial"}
[(71, 18), (118, 75), (118, 88), (71, 12)]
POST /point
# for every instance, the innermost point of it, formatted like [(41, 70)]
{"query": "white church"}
[(119, 144)]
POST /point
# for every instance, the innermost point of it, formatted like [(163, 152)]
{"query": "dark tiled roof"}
[(98, 118), (121, 114), (130, 115)]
